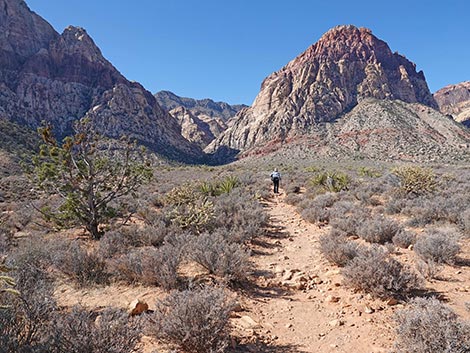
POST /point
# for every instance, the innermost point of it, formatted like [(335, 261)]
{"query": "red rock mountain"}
[(455, 100), (312, 95), (60, 78)]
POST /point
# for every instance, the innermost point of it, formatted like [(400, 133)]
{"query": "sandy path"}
[(312, 311)]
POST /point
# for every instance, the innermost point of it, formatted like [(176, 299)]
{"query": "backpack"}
[(275, 175)]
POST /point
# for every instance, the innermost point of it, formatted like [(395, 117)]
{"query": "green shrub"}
[(331, 181), (416, 180)]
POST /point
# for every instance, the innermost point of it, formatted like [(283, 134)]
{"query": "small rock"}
[(237, 307), (368, 310), (392, 301), (288, 325), (137, 307), (410, 247), (332, 299), (248, 323), (336, 323), (288, 275), (458, 272), (317, 281)]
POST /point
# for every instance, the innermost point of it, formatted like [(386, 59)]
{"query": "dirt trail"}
[(299, 304)]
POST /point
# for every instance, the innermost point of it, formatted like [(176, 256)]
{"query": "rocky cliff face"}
[(201, 120), (62, 78), (346, 66), (455, 100), (199, 107)]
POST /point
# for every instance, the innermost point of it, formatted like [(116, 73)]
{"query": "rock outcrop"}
[(201, 129), (60, 78), (199, 107), (346, 66), (455, 100), (201, 120)]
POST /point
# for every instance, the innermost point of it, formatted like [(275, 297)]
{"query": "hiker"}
[(276, 177)]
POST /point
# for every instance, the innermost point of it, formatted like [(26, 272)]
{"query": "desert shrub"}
[(113, 243), (394, 205), (4, 243), (379, 230), (331, 181), (428, 326), (193, 216), (374, 271), (318, 209), (194, 320), (80, 331), (464, 222), (240, 214), (416, 180), (149, 265), (313, 213), (369, 172), (338, 249), (25, 324), (128, 267), (293, 199), (119, 241), (84, 266), (438, 245), (220, 257), (182, 195), (428, 269), (346, 216), (160, 266), (404, 239)]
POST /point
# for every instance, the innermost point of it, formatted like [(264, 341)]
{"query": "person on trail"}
[(276, 177)]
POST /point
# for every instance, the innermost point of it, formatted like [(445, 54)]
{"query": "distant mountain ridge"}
[(61, 78), (455, 100), (201, 120), (316, 94), (169, 100)]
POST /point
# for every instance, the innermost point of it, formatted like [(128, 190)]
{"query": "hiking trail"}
[(299, 303)]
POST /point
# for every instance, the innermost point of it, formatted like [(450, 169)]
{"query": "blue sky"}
[(224, 49)]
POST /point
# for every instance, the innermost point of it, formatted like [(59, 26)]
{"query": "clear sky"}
[(223, 49)]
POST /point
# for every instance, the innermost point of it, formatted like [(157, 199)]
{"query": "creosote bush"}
[(428, 326), (195, 320), (438, 245), (374, 271)]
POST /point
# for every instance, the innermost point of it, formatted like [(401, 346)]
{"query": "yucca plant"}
[(331, 181)]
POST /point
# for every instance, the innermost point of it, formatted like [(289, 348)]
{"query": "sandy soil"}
[(296, 301)]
